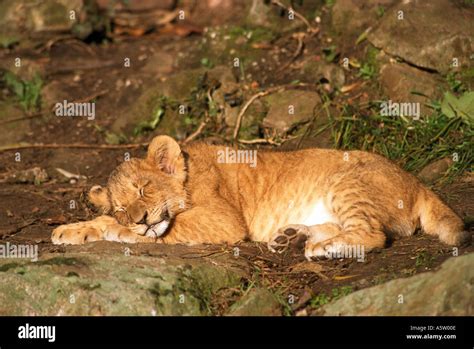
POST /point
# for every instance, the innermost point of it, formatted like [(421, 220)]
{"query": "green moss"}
[(8, 266), (61, 261)]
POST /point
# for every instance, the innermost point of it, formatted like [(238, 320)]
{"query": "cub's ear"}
[(165, 153), (99, 197)]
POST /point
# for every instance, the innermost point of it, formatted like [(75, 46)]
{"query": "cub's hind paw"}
[(287, 236)]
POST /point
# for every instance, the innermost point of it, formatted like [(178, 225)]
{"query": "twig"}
[(247, 105), (256, 96), (71, 145), (196, 133), (311, 29), (91, 96), (258, 141), (17, 229), (265, 141), (300, 37), (26, 117)]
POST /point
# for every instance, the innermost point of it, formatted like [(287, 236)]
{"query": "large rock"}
[(448, 291), (435, 170), (321, 71), (352, 17), (430, 35), (289, 108), (78, 284), (258, 302), (29, 19), (142, 105), (400, 80)]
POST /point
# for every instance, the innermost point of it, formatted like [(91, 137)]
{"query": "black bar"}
[(313, 332)]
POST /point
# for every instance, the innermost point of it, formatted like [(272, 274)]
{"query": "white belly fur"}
[(317, 214)]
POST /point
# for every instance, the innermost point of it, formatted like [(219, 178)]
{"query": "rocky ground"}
[(187, 69)]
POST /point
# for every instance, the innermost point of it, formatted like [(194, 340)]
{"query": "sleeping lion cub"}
[(336, 199)]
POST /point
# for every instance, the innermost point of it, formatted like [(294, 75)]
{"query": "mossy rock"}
[(116, 285)]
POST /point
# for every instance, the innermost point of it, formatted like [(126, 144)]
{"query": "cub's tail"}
[(438, 219)]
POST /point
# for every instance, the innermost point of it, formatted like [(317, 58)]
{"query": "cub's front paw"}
[(76, 234)]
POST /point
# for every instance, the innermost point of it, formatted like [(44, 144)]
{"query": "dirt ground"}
[(89, 71)]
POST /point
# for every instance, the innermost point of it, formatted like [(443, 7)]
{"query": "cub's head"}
[(145, 194)]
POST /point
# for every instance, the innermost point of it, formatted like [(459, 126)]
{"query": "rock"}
[(258, 302), (136, 5), (35, 175), (27, 19), (158, 64), (400, 80), (217, 11), (352, 17), (435, 170), (321, 71), (177, 88), (78, 284), (446, 292), (289, 108), (417, 39), (263, 14), (140, 106)]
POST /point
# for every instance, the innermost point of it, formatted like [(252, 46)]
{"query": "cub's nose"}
[(143, 220)]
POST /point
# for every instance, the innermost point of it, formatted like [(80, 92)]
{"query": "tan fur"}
[(366, 196)]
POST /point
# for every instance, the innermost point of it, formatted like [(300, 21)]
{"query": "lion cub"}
[(336, 199)]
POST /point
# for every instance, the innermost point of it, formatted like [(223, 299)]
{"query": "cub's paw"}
[(76, 234), (319, 249), (334, 248), (289, 235)]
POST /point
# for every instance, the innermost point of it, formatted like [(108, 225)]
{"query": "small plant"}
[(424, 259), (454, 83), (319, 300), (152, 123), (367, 71), (28, 92), (380, 10), (336, 293), (330, 53), (462, 107), (341, 292), (206, 62)]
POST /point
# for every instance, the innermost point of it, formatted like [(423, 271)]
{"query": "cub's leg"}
[(358, 228), (100, 228), (356, 231)]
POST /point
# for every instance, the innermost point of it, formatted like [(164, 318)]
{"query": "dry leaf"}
[(344, 277)]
